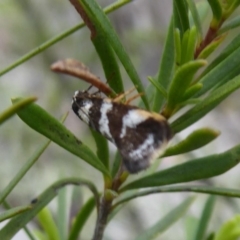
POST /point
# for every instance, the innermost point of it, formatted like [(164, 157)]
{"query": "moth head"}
[(81, 105)]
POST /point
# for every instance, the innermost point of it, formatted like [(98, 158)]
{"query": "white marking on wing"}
[(131, 120), (103, 121), (84, 111), (76, 93), (144, 149)]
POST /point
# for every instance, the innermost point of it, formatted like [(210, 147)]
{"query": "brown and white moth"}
[(138, 134)]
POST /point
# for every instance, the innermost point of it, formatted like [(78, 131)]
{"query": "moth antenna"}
[(120, 97), (133, 97), (88, 88)]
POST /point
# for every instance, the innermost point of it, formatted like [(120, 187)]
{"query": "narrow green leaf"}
[(15, 107), (167, 221), (184, 47), (15, 180), (230, 229), (211, 47), (108, 60), (132, 194), (229, 25), (205, 218), (181, 82), (231, 48), (21, 173), (222, 71), (191, 101), (180, 9), (18, 222), (116, 164), (216, 11), (158, 87), (38, 119), (81, 219), (196, 17), (178, 46), (14, 212), (207, 104), (196, 169), (109, 63), (189, 55), (101, 21), (165, 70), (195, 140), (47, 223), (62, 214), (191, 91), (102, 148)]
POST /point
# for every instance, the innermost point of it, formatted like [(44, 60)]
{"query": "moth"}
[(138, 134)]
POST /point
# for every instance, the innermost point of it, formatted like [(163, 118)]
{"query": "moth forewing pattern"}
[(138, 134)]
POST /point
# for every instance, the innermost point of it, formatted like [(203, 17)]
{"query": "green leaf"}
[(99, 19), (180, 11), (196, 17), (21, 173), (116, 164), (216, 11), (229, 25), (195, 140), (180, 83), (230, 230), (205, 218), (222, 68), (207, 104), (47, 223), (188, 45), (165, 70), (231, 48), (160, 89), (178, 46), (109, 62), (201, 168), (132, 194), (191, 91), (38, 119), (62, 214), (81, 219), (14, 212), (203, 12), (15, 107), (105, 52), (167, 221), (102, 148), (210, 48), (18, 222), (189, 54)]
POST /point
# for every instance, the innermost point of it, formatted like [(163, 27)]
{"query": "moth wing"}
[(142, 143)]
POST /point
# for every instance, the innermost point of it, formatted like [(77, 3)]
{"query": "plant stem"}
[(104, 210)]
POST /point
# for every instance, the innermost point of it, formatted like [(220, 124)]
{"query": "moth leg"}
[(120, 97), (133, 97)]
